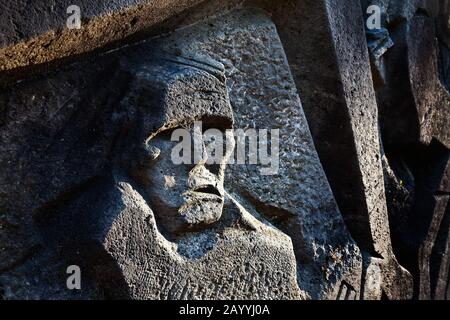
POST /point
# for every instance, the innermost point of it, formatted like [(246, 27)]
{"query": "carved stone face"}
[(169, 96), (185, 197)]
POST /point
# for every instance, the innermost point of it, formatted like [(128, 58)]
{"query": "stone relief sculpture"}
[(182, 219), (357, 207), (189, 219)]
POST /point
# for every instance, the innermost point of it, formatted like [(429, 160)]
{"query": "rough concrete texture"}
[(88, 178)]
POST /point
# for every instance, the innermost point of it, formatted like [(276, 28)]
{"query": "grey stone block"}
[(36, 32), (340, 105)]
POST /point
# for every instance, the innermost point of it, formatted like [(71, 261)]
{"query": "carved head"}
[(176, 102)]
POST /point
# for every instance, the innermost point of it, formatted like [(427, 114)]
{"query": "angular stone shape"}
[(413, 88), (416, 95), (426, 248), (37, 32), (326, 47), (264, 96), (381, 280), (440, 259), (419, 212), (432, 100)]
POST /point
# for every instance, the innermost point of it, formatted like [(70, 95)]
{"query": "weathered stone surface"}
[(101, 218), (263, 95), (340, 105), (237, 264), (431, 98), (42, 158), (36, 32), (413, 86), (327, 257), (415, 94)]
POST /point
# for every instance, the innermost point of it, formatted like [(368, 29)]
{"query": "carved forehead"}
[(173, 91)]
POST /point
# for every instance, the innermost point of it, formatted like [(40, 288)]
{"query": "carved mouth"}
[(208, 189)]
